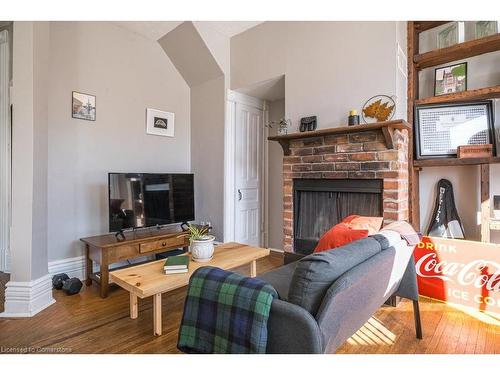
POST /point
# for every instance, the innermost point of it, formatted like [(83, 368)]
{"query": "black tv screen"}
[(139, 200)]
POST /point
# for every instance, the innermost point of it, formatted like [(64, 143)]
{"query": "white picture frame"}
[(160, 122)]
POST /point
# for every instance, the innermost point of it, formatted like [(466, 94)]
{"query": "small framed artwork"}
[(451, 35), (486, 28), (441, 128), (160, 122), (450, 79), (83, 106)]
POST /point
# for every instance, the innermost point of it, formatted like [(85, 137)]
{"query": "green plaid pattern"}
[(225, 312)]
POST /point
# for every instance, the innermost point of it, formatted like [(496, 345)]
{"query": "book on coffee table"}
[(176, 264)]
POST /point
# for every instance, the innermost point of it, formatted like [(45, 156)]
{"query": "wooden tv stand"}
[(107, 249)]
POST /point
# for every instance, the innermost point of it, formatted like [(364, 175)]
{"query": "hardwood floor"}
[(85, 323)]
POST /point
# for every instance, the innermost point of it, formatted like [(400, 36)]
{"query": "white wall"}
[(128, 73), (207, 152), (482, 71), (275, 180), (330, 67)]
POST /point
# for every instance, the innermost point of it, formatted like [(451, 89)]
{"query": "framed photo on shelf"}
[(441, 128), (450, 79), (160, 122), (452, 34), (485, 28), (83, 106)]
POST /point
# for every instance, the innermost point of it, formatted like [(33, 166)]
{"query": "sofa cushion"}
[(315, 273), (280, 279), (339, 235)]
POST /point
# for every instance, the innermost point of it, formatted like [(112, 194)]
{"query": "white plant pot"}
[(203, 250)]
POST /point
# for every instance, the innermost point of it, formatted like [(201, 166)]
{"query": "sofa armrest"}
[(292, 330)]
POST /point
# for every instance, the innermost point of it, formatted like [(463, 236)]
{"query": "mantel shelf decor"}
[(387, 128)]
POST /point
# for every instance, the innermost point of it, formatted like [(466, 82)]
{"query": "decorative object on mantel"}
[(283, 125), (450, 79), (441, 128), (386, 127), (378, 108), (83, 106), (475, 151), (353, 118), (308, 123), (160, 122)]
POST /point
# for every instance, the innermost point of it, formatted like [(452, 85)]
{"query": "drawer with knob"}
[(165, 243)]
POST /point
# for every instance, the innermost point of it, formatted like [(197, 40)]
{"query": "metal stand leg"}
[(418, 324)]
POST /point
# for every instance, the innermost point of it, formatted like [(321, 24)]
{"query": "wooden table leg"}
[(133, 306), (104, 280), (157, 314), (88, 268), (253, 268)]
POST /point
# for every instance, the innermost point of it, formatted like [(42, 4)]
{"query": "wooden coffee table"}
[(148, 279)]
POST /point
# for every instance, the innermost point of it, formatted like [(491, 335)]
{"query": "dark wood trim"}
[(492, 92), (457, 52), (421, 26), (389, 126), (447, 162), (413, 175), (485, 203)]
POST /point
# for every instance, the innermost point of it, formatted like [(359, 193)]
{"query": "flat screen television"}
[(138, 200)]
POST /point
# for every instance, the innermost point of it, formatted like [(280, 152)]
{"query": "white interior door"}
[(248, 174), (5, 152)]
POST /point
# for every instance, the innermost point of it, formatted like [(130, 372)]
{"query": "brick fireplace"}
[(363, 152)]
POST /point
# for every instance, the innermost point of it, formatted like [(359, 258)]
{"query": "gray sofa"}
[(326, 297)]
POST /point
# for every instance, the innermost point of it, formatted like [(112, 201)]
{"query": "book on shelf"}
[(175, 263)]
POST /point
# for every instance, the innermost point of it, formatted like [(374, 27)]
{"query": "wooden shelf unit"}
[(418, 61), (469, 95), (458, 51), (448, 162)]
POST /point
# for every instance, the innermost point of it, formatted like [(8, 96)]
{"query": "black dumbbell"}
[(72, 286), (58, 280)]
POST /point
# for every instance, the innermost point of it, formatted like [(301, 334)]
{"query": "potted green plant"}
[(201, 243)]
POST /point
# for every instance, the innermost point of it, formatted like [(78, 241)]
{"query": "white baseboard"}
[(73, 267), (27, 298)]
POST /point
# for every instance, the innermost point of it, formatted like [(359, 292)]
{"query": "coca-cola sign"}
[(460, 272)]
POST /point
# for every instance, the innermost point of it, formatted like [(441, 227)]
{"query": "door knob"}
[(239, 195)]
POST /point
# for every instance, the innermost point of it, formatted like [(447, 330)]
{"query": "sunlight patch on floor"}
[(483, 316), (373, 332)]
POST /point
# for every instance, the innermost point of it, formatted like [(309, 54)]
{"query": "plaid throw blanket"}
[(225, 313)]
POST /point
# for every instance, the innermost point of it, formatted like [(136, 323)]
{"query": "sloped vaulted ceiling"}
[(190, 55)]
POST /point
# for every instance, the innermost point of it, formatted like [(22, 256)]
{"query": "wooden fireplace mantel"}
[(387, 128)]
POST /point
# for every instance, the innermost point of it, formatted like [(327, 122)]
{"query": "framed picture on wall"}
[(441, 128), (450, 79), (160, 122), (83, 106)]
